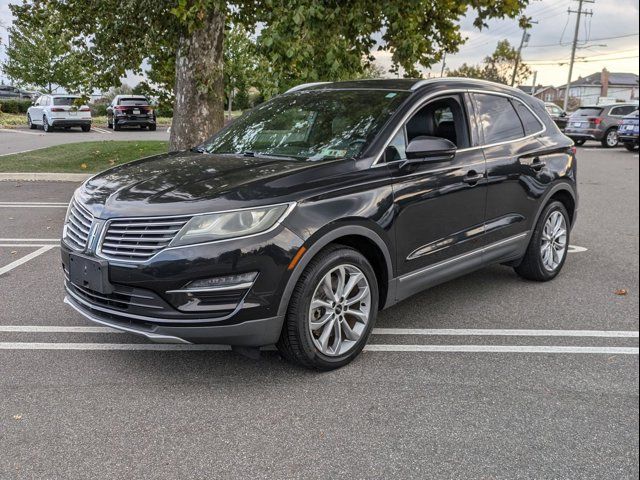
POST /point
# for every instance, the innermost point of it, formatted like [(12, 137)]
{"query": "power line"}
[(590, 41)]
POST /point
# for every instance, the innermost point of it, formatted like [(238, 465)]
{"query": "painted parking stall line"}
[(504, 332), (34, 204), (25, 259)]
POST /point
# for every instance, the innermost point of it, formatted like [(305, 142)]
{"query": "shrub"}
[(14, 106)]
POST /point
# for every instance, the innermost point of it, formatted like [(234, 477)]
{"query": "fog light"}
[(226, 281)]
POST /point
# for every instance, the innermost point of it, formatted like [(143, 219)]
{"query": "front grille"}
[(78, 226), (137, 240)]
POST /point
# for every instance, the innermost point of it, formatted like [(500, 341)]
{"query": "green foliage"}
[(14, 106), (496, 68), (40, 53)]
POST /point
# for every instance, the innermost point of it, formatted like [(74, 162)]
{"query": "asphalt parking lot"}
[(16, 140), (487, 376)]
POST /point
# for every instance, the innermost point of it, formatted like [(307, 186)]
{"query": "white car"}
[(53, 111)]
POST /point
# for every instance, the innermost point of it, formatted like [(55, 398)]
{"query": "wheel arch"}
[(360, 238)]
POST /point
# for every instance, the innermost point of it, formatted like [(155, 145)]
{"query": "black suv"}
[(130, 111), (299, 221)]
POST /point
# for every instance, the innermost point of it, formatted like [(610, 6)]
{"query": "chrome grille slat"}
[(138, 239), (78, 226)]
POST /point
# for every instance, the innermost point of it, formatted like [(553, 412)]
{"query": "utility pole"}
[(444, 63), (526, 24), (535, 78), (579, 13)]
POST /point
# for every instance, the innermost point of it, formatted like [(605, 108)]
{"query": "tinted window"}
[(133, 102), (621, 111), (529, 121), (498, 119), (587, 112), (397, 148), (64, 101)]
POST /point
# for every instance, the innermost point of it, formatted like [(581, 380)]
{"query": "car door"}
[(36, 110), (516, 174), (440, 205)]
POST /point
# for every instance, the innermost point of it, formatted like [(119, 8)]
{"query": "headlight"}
[(225, 225)]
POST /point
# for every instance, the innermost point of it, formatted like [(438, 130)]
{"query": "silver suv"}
[(598, 122)]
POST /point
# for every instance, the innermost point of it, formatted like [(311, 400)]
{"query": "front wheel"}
[(152, 127), (332, 310), (547, 250), (610, 139), (32, 126)]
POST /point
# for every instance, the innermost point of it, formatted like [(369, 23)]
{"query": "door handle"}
[(537, 164), (472, 177)]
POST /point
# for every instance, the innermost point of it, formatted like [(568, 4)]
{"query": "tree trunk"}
[(198, 109)]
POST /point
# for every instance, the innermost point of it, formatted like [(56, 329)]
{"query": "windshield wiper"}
[(267, 155)]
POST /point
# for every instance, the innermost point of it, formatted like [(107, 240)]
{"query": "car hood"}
[(189, 182)]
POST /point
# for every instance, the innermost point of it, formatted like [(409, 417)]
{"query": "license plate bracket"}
[(90, 273)]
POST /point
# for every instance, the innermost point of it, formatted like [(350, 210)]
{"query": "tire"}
[(45, 124), (533, 265), (301, 344), (610, 139), (152, 128), (32, 126), (116, 127), (579, 142), (143, 127), (632, 147), (86, 128)]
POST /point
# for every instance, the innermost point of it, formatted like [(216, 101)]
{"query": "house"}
[(612, 86), (545, 93)]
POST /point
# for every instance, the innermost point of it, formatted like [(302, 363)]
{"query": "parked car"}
[(598, 122), (628, 131), (59, 111), (299, 221), (130, 111), (558, 115)]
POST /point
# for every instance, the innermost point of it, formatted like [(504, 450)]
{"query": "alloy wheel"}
[(340, 310), (554, 241), (612, 138)]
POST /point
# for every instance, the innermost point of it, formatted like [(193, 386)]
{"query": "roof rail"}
[(304, 85), (420, 83)]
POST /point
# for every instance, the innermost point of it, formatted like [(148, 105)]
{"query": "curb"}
[(44, 177)]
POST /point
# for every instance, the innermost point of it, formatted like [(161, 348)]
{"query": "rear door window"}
[(498, 119)]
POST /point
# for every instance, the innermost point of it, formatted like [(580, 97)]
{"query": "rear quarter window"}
[(529, 121)]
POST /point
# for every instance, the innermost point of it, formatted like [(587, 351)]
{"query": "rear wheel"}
[(45, 124), (332, 310), (547, 250), (610, 139), (86, 128)]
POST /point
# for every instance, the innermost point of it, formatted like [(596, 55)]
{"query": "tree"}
[(40, 56), (299, 40), (497, 68)]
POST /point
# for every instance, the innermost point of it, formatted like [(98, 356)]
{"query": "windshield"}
[(311, 125), (133, 102), (64, 101)]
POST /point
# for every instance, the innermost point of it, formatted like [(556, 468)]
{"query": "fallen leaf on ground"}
[(83, 166), (621, 292), (17, 417), (13, 252)]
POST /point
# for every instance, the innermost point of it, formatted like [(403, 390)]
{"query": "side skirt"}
[(505, 250)]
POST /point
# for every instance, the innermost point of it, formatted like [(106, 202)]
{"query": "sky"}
[(549, 47)]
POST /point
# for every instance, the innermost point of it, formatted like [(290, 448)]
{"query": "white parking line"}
[(25, 259), (368, 348), (101, 130), (34, 204), (16, 130), (27, 240), (376, 331), (27, 245), (505, 332), (55, 329)]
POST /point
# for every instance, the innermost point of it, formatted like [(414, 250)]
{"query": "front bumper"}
[(142, 301)]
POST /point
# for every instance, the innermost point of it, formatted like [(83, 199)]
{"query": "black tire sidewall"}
[(537, 239), (312, 278)]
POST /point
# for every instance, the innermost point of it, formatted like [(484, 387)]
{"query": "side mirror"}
[(430, 149)]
